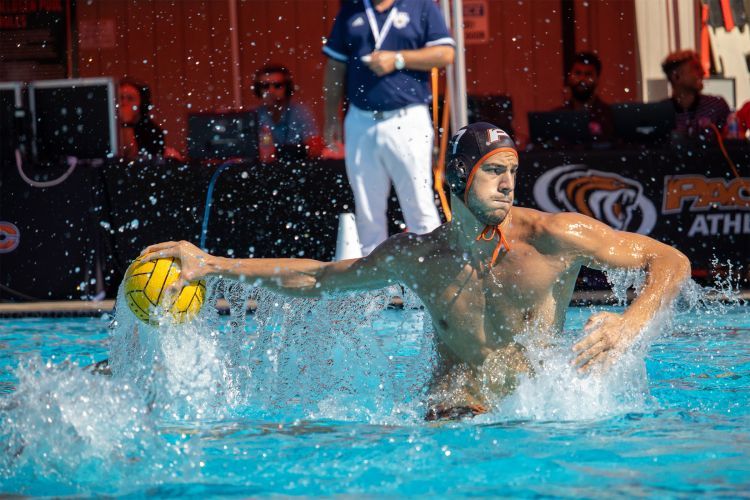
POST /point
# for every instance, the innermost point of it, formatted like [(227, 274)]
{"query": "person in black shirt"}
[(696, 113), (582, 80)]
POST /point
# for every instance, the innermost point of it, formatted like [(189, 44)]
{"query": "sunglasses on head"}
[(267, 85)]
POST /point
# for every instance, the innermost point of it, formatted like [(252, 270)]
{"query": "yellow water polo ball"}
[(146, 282)]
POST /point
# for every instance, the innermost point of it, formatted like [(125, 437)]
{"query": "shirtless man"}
[(492, 272)]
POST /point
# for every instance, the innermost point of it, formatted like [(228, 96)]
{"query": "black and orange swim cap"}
[(468, 148)]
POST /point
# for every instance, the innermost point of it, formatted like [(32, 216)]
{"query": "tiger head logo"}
[(611, 198), (9, 237)]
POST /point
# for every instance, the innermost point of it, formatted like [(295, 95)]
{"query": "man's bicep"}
[(620, 249), (598, 246), (366, 273)]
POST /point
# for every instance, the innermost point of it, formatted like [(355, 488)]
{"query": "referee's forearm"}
[(333, 87), (426, 58)]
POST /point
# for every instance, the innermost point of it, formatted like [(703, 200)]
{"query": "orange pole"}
[(439, 173), (434, 75)]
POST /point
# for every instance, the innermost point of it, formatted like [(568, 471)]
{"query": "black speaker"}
[(48, 236), (10, 101)]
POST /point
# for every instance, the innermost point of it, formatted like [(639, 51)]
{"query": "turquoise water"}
[(248, 408)]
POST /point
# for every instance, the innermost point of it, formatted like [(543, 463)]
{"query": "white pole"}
[(459, 103), (449, 72), (234, 40)]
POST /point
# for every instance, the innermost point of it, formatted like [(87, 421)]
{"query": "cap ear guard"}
[(457, 173)]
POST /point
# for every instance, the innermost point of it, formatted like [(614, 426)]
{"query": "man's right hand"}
[(194, 262)]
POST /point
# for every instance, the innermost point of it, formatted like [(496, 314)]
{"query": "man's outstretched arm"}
[(296, 277), (598, 246)]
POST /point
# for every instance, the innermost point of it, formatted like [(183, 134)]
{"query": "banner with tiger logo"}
[(614, 199)]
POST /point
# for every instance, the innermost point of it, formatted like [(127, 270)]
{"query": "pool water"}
[(291, 402)]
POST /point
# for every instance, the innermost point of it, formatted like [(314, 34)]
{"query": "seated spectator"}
[(582, 80), (138, 133), (290, 123), (743, 121), (695, 111)]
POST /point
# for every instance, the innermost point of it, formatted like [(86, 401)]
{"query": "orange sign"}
[(703, 193), (476, 22)]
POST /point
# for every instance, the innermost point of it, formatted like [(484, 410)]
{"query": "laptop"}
[(646, 124), (221, 136), (559, 128)]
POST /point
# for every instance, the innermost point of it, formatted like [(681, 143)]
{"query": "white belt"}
[(383, 115)]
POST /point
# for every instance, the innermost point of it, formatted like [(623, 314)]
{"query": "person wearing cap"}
[(696, 113), (381, 52), (492, 272)]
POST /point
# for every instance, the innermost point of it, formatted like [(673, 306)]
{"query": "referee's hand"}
[(382, 62)]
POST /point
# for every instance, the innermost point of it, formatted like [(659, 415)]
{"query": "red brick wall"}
[(182, 49)]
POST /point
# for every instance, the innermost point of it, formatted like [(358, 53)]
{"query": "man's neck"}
[(577, 104), (467, 227), (685, 98), (382, 5), (277, 111)]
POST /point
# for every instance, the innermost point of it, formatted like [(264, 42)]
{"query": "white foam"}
[(64, 423)]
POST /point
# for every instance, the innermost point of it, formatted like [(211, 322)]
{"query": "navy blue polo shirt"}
[(416, 24)]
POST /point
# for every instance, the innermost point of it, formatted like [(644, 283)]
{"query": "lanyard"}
[(377, 34)]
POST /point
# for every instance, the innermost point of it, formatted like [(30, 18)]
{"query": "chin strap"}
[(489, 233)]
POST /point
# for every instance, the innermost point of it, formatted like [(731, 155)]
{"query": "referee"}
[(381, 51)]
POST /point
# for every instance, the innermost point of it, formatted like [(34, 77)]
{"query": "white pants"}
[(395, 147)]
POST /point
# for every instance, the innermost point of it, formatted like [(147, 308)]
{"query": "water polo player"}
[(491, 273)]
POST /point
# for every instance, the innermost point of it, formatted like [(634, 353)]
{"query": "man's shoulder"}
[(407, 247), (529, 216), (712, 98), (563, 233), (350, 8), (402, 256), (418, 4), (713, 101), (545, 225), (299, 108), (600, 103), (412, 242)]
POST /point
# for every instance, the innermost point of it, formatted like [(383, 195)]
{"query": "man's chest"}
[(465, 295), (395, 30)]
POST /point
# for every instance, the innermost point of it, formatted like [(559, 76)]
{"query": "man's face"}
[(582, 81), (491, 192), (128, 104), (272, 88), (689, 76)]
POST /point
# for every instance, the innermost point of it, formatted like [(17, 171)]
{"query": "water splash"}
[(717, 298), (329, 359), (342, 357), (294, 358), (557, 391), (67, 427)]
